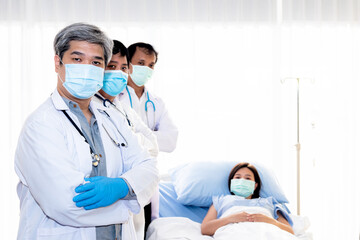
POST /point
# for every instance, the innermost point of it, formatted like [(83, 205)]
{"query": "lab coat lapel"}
[(60, 105), (58, 101)]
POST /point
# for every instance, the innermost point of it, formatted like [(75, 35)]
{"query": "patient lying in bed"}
[(186, 196), (235, 212)]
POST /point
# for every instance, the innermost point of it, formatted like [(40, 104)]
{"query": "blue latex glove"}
[(100, 192)]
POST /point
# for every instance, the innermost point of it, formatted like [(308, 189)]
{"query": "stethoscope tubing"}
[(146, 107), (111, 104)]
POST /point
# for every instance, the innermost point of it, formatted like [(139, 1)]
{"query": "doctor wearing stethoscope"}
[(82, 174), (152, 111), (115, 80), (150, 108)]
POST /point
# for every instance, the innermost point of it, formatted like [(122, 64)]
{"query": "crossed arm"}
[(210, 223)]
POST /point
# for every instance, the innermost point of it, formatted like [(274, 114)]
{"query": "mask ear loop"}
[(131, 69), (60, 78), (58, 73)]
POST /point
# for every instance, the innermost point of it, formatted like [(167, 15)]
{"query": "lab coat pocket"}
[(84, 157), (58, 233)]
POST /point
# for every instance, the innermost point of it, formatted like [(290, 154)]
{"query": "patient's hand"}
[(260, 218), (238, 217)]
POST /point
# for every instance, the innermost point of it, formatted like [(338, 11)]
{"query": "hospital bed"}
[(186, 194)]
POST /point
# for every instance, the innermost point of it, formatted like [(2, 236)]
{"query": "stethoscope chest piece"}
[(113, 140), (95, 157), (96, 160)]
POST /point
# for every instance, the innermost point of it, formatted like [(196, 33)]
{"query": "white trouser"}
[(139, 224), (139, 219)]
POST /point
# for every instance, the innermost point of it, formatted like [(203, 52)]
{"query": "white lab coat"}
[(52, 159), (146, 137), (165, 130)]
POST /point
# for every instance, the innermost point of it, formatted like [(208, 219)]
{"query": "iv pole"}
[(297, 145)]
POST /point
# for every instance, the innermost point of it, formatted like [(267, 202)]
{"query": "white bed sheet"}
[(180, 228)]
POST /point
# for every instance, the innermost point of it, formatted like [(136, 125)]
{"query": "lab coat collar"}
[(58, 101), (132, 91), (117, 102), (98, 106), (152, 96), (61, 105), (96, 103)]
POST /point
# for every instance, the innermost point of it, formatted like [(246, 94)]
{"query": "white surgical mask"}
[(83, 80), (141, 74)]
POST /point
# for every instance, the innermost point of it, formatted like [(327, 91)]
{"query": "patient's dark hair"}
[(256, 193)]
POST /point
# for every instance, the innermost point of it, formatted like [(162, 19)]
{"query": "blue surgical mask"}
[(83, 80), (242, 187), (114, 82), (141, 74)]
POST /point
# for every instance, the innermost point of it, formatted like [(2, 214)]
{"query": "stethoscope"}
[(95, 157), (148, 101), (106, 102), (126, 144)]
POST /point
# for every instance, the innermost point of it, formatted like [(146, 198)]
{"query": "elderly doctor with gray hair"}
[(82, 173)]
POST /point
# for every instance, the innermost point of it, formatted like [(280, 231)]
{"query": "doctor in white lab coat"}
[(53, 160), (115, 81), (150, 107), (152, 111)]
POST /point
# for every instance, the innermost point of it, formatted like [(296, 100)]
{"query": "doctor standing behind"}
[(150, 108), (152, 111), (115, 80), (81, 172)]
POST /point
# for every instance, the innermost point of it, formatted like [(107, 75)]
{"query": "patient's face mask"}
[(242, 187), (141, 74), (114, 82), (83, 80)]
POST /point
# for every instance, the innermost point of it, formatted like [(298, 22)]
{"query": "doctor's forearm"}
[(166, 140), (145, 187), (131, 194)]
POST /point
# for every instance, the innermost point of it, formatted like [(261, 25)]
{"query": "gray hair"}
[(82, 32)]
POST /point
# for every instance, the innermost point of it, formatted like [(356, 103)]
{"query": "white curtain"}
[(219, 72)]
